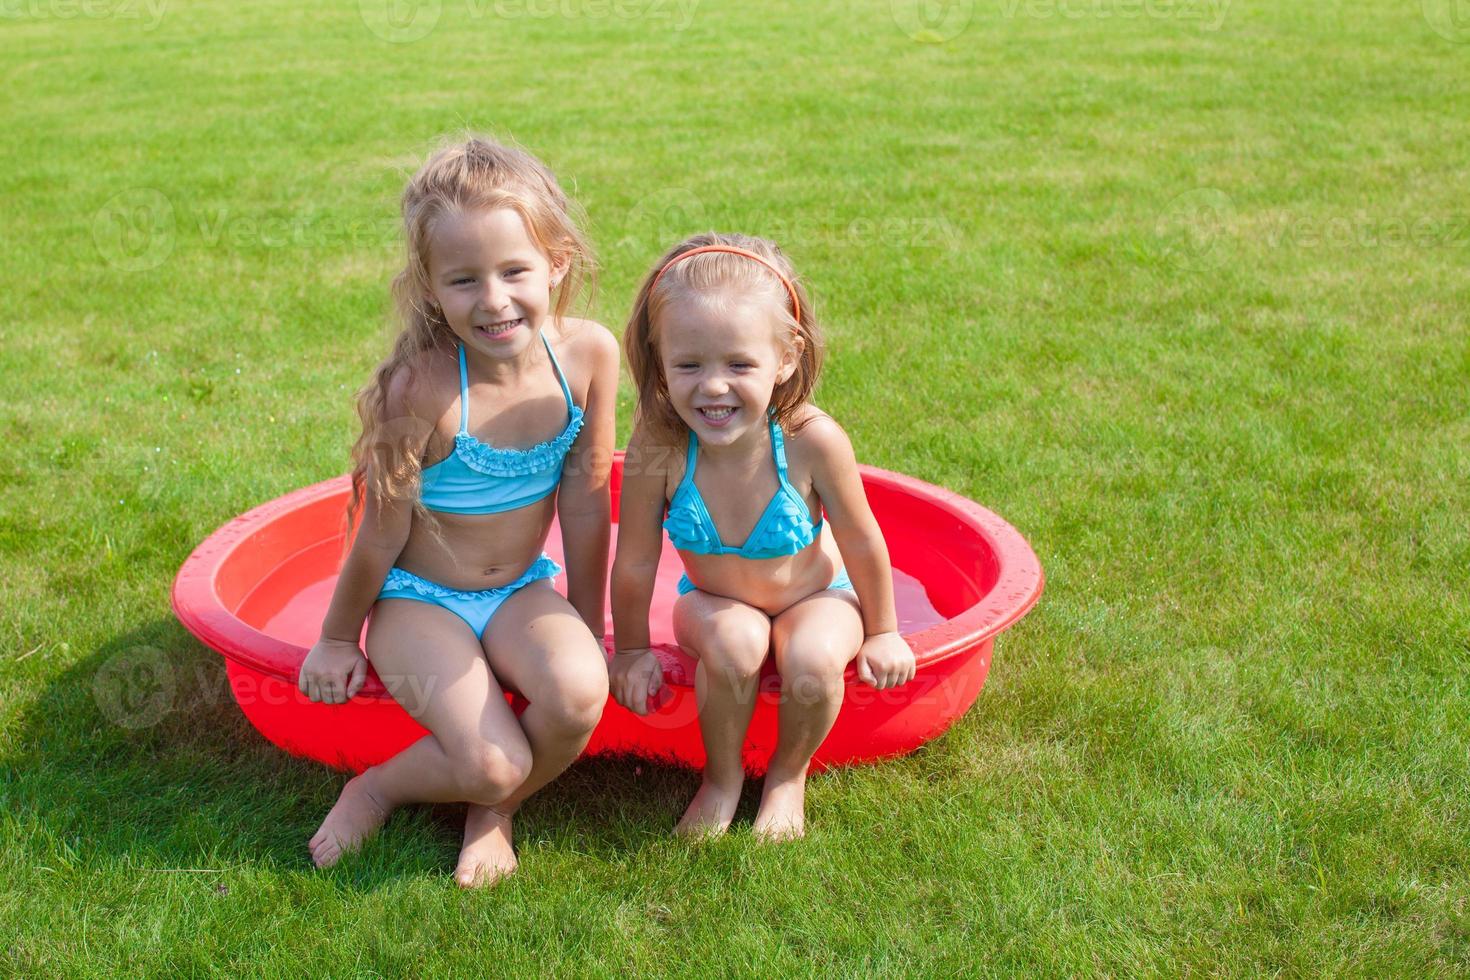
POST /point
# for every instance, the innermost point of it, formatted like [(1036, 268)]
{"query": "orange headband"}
[(733, 250)]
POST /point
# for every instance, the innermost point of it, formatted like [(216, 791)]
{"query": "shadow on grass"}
[(139, 755)]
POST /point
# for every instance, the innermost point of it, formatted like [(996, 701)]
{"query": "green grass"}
[(1186, 305)]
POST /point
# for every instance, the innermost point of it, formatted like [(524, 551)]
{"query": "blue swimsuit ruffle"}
[(782, 537), (398, 580), (492, 461)]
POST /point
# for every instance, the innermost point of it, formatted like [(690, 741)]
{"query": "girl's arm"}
[(382, 533), (335, 667), (635, 675), (584, 504), (885, 660)]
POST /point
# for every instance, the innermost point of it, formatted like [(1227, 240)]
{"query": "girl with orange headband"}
[(725, 352)]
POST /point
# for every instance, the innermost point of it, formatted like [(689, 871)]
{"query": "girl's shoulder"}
[(425, 387), (584, 347), (812, 430), (814, 439), (579, 332)]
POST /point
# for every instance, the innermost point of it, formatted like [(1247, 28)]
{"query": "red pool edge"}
[(953, 658)]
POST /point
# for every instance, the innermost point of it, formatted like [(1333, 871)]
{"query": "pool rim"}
[(197, 605)]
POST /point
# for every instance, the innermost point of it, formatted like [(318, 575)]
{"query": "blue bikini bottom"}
[(840, 582), (475, 608)]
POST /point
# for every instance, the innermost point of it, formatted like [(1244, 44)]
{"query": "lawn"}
[(1178, 287)]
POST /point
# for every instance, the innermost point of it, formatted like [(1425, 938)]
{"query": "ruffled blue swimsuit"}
[(785, 526), (479, 479)]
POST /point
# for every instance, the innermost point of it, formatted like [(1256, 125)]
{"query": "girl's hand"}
[(333, 672), (885, 661), (635, 677)]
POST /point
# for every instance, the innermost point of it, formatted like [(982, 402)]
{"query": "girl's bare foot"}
[(711, 810), (487, 855), (355, 817), (782, 811)]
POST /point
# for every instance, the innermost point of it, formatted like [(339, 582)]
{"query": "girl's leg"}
[(538, 645), (815, 640), (730, 640), (475, 751)]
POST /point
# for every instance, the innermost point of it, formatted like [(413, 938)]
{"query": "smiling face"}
[(489, 279), (721, 362)]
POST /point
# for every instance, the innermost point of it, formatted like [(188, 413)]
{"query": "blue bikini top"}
[(785, 526), (480, 479)]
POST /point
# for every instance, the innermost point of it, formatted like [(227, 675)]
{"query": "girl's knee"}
[(576, 705), (734, 646), (813, 671), (492, 772)]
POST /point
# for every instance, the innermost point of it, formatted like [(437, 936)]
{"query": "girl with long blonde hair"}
[(492, 415)]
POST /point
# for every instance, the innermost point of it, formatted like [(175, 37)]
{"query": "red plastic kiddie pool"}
[(256, 591)]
